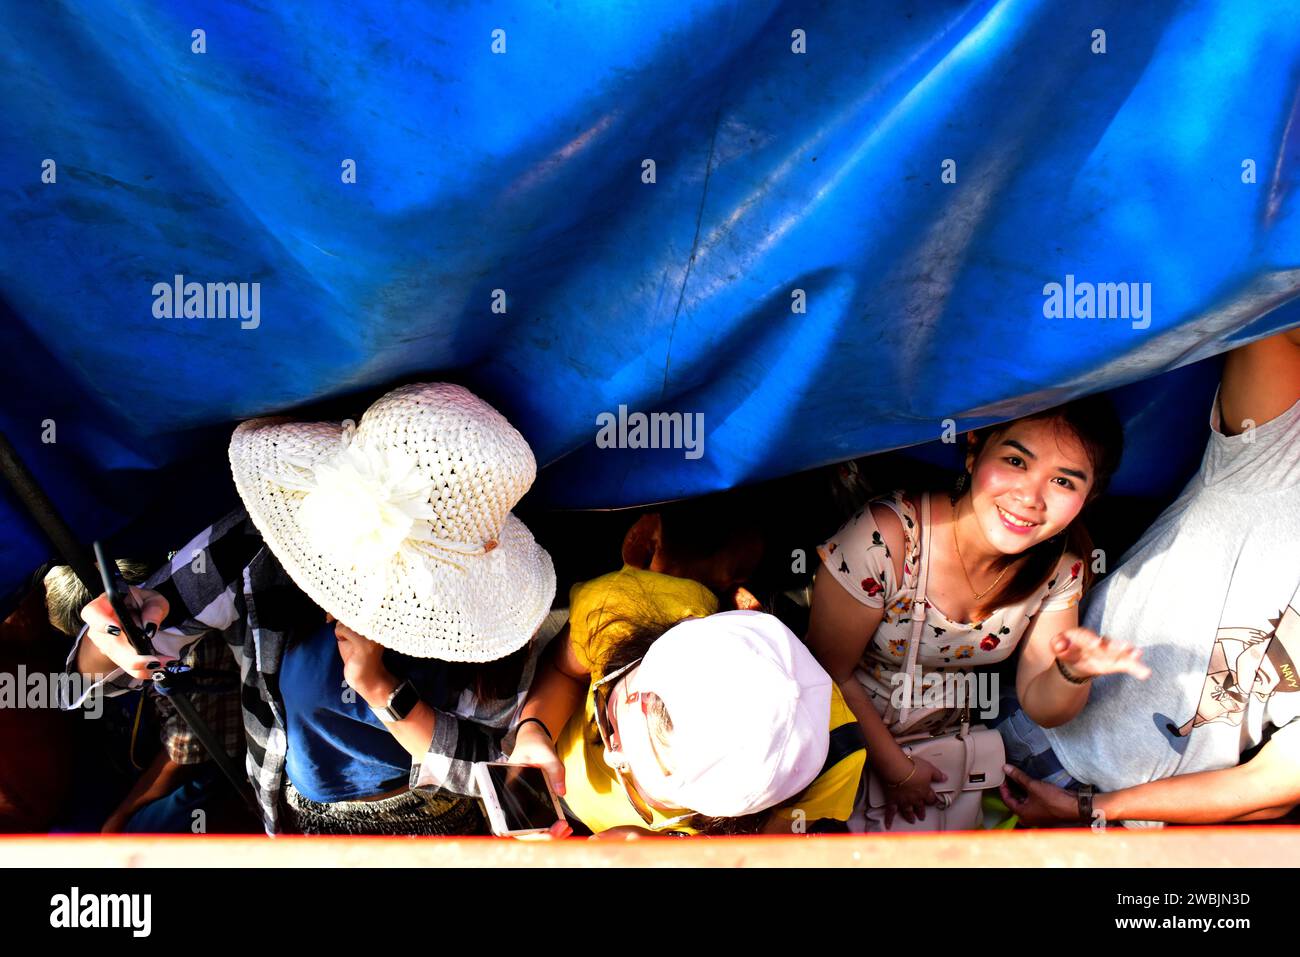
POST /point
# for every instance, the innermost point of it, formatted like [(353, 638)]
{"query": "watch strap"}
[(1086, 793), (400, 703)]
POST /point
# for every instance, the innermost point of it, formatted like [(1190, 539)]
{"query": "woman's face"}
[(622, 713), (1029, 482)]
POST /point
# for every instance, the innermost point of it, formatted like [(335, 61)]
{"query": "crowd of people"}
[(374, 620)]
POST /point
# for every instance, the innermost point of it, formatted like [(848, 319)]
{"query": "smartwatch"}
[(1085, 794), (400, 703)]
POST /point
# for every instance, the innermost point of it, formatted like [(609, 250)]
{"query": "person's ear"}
[(642, 541), (972, 449)]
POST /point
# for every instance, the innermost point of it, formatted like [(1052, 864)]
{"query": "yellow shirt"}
[(593, 791)]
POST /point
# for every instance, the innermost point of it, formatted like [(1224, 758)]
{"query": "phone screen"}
[(523, 795)]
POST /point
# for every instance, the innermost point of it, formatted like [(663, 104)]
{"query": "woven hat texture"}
[(401, 527)]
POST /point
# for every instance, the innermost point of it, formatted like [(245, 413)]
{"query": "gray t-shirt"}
[(1210, 594)]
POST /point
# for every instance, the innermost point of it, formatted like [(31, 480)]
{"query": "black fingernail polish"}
[(154, 665), (150, 630), (113, 630)]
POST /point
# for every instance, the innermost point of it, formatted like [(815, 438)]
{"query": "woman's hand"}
[(1042, 804), (106, 633), (534, 746), (558, 832), (363, 666), (910, 798), (1087, 654)]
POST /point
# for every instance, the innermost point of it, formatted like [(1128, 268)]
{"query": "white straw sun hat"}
[(401, 527)]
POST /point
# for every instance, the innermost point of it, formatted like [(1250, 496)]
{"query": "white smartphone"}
[(518, 798)]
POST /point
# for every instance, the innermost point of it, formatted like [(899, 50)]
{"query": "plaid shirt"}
[(220, 708), (227, 580)]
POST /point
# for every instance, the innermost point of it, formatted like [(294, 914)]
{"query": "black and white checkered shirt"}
[(227, 580)]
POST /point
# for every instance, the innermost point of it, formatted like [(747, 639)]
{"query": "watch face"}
[(403, 701)]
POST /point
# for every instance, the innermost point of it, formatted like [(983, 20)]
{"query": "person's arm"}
[(156, 781), (444, 747), (558, 691), (1260, 382), (560, 686), (1046, 695), (1262, 789), (839, 629)]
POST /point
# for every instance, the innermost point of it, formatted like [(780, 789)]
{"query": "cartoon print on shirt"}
[(1246, 663)]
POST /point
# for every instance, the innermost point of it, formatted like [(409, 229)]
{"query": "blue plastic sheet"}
[(912, 174)]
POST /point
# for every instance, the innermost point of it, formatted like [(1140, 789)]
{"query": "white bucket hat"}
[(401, 527)]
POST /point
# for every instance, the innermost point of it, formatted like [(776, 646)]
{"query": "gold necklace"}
[(979, 595)]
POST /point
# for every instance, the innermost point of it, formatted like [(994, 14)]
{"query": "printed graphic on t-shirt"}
[(1246, 663)]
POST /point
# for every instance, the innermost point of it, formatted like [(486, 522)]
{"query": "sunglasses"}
[(601, 692)]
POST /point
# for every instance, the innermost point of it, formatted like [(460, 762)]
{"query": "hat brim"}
[(480, 608)]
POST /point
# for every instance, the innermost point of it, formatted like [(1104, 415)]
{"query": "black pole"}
[(45, 515)]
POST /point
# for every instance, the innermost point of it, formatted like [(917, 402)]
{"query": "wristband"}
[(538, 721), (1072, 678)]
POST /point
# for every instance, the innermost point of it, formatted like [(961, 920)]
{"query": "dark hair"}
[(491, 680), (1092, 420), (630, 643)]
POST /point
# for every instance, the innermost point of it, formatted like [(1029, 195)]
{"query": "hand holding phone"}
[(519, 800)]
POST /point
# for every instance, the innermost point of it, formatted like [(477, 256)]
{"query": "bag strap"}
[(918, 608)]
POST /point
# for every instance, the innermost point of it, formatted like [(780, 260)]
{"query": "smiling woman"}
[(947, 583)]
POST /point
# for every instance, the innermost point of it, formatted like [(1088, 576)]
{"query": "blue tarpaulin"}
[(826, 227)]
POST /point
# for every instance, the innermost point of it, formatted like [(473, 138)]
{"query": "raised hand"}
[(363, 665), (1087, 654), (106, 634), (534, 746)]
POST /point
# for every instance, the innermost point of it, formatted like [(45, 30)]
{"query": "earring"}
[(959, 487)]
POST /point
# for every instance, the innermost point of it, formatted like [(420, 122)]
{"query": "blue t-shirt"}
[(339, 750)]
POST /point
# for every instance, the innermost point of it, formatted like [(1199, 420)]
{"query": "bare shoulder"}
[(891, 530), (1260, 381)]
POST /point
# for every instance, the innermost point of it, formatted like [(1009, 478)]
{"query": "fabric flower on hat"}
[(365, 505)]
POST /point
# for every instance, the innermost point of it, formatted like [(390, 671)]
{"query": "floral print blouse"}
[(859, 560)]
